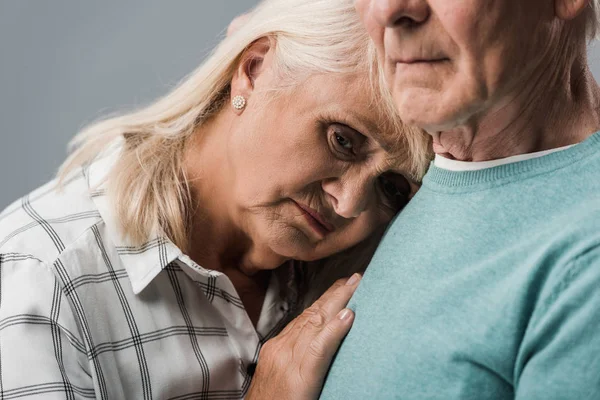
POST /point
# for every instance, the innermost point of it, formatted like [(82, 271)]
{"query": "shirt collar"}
[(142, 262)]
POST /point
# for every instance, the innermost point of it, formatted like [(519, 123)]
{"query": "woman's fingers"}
[(322, 336), (325, 309), (324, 326), (324, 346)]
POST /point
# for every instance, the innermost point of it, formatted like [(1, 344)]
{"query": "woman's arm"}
[(42, 352)]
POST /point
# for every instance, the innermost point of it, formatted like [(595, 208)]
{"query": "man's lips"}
[(316, 220)]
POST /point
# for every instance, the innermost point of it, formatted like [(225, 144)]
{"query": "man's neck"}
[(552, 109)]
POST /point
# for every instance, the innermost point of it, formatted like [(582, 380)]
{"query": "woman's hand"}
[(292, 365)]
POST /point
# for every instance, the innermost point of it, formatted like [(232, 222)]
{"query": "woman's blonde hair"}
[(592, 19), (147, 186)]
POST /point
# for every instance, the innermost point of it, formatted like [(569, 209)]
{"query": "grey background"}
[(65, 63)]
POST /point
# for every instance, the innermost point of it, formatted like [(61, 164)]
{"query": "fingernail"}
[(344, 314), (353, 279)]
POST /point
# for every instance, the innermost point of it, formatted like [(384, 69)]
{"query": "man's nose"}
[(393, 13)]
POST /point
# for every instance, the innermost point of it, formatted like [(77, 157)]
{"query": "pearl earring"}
[(238, 102)]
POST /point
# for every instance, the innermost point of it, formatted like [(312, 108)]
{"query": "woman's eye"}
[(395, 189), (344, 142)]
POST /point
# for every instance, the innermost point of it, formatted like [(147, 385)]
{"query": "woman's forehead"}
[(353, 97)]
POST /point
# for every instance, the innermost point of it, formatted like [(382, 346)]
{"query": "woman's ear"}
[(569, 9), (255, 62)]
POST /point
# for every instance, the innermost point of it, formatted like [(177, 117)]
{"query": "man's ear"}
[(255, 62), (569, 9)]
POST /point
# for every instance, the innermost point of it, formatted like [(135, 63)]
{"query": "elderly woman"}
[(487, 286), (184, 235)]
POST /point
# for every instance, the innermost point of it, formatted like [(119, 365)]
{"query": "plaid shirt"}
[(83, 314)]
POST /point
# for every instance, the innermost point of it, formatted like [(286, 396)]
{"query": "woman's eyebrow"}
[(369, 128)]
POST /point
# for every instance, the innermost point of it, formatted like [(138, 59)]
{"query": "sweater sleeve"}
[(42, 353), (559, 356)]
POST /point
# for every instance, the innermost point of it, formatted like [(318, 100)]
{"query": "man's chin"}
[(419, 108), (412, 105)]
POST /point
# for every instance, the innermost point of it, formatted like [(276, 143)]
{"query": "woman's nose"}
[(393, 13), (349, 196)]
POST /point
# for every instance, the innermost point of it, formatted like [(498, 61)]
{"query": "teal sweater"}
[(487, 286)]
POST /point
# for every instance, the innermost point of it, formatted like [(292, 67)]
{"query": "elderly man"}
[(487, 286)]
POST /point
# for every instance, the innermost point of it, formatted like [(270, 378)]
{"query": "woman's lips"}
[(316, 220)]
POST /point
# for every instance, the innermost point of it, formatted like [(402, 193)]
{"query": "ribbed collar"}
[(443, 180)]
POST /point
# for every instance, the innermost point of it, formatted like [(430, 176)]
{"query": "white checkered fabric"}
[(85, 315)]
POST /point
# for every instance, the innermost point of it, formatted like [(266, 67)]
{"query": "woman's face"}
[(310, 173), (449, 60)]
